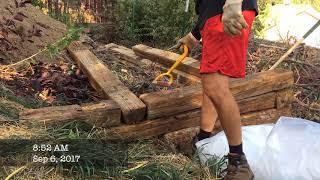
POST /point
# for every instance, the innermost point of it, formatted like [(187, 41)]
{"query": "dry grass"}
[(148, 159), (152, 159)]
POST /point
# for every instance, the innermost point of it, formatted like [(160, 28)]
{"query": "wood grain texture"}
[(103, 114), (104, 81), (167, 58), (246, 92), (181, 138), (123, 53), (162, 126), (285, 98), (257, 103), (128, 55)]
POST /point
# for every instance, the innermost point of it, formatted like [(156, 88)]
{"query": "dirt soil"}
[(25, 30)]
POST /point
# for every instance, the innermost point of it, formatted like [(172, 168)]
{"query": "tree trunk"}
[(65, 7), (56, 8), (50, 6)]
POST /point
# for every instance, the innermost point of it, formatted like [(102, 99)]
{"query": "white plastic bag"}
[(292, 151), (289, 150)]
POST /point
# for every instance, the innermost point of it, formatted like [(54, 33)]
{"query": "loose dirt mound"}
[(24, 30)]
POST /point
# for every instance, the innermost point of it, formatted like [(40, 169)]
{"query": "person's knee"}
[(216, 89), (216, 93)]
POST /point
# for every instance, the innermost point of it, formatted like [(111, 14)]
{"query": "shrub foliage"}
[(160, 23)]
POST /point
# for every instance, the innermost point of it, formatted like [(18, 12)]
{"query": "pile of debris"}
[(305, 64), (60, 84), (24, 30)]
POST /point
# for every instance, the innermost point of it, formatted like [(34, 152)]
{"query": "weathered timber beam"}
[(246, 91), (128, 55), (284, 98), (161, 126), (180, 139), (181, 136), (181, 76), (103, 80), (189, 65), (103, 114), (123, 53)]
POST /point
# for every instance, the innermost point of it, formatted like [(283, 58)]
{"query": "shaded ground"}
[(47, 84)]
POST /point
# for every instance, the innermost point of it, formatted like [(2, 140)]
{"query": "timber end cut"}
[(103, 80), (103, 114), (167, 58)]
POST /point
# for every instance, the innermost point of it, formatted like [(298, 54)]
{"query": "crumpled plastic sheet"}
[(288, 150)]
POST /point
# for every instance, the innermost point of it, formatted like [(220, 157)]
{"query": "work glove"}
[(189, 40), (232, 18)]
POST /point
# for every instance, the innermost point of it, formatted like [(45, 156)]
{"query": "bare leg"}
[(216, 87), (208, 114)]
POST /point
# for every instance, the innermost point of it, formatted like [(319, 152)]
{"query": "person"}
[(224, 27)]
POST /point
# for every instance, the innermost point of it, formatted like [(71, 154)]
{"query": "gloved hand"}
[(189, 40), (232, 18)]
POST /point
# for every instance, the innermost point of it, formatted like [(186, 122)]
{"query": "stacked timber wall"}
[(262, 97)]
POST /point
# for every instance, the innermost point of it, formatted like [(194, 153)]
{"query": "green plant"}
[(264, 13), (216, 165), (160, 23), (72, 35), (37, 3)]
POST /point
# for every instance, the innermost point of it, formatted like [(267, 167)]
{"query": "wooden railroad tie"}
[(103, 80), (262, 97)]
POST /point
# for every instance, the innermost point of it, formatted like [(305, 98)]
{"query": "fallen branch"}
[(271, 46), (304, 63), (295, 46), (308, 106), (311, 84), (24, 60), (15, 172)]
